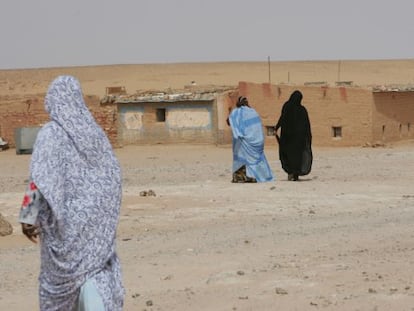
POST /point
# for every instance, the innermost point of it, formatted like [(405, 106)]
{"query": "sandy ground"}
[(340, 239)]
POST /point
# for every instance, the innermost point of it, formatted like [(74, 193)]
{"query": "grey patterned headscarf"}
[(75, 169)]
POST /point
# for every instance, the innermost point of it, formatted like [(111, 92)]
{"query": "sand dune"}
[(94, 79)]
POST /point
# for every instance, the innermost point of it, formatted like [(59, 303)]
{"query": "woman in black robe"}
[(295, 142)]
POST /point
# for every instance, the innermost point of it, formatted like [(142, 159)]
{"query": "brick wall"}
[(16, 112), (363, 116), (225, 102), (28, 111), (347, 108), (106, 116)]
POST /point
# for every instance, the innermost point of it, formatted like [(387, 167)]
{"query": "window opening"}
[(337, 131), (160, 114), (270, 130)]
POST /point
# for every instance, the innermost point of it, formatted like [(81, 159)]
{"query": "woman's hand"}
[(31, 232)]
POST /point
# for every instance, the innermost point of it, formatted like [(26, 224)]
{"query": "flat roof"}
[(392, 88), (169, 96)]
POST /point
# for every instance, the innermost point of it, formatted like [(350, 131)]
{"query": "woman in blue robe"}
[(249, 161)]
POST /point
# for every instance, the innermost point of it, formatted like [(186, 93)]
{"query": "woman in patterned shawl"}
[(72, 204)]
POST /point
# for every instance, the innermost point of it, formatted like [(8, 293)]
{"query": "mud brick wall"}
[(364, 117), (350, 109), (393, 117), (28, 111)]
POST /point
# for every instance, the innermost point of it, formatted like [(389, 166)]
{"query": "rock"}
[(5, 227), (281, 291), (149, 193), (3, 144)]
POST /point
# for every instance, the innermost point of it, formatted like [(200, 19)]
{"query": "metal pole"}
[(339, 70), (268, 64)]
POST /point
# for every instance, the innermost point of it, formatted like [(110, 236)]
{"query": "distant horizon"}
[(208, 62)]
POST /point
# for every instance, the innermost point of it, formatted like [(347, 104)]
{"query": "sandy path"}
[(341, 239)]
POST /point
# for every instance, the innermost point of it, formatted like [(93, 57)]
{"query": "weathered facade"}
[(393, 115), (173, 117), (340, 115), (29, 111)]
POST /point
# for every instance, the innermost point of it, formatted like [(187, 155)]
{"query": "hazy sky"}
[(48, 33)]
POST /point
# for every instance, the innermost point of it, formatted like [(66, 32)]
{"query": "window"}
[(270, 130), (337, 131), (160, 114)]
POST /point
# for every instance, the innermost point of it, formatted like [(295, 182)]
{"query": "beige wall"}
[(348, 108), (393, 116), (185, 122), (362, 115)]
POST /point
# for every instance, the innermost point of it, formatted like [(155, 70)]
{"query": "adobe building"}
[(340, 115), (191, 115)]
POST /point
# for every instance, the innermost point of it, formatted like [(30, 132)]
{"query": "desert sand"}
[(95, 79), (339, 239)]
